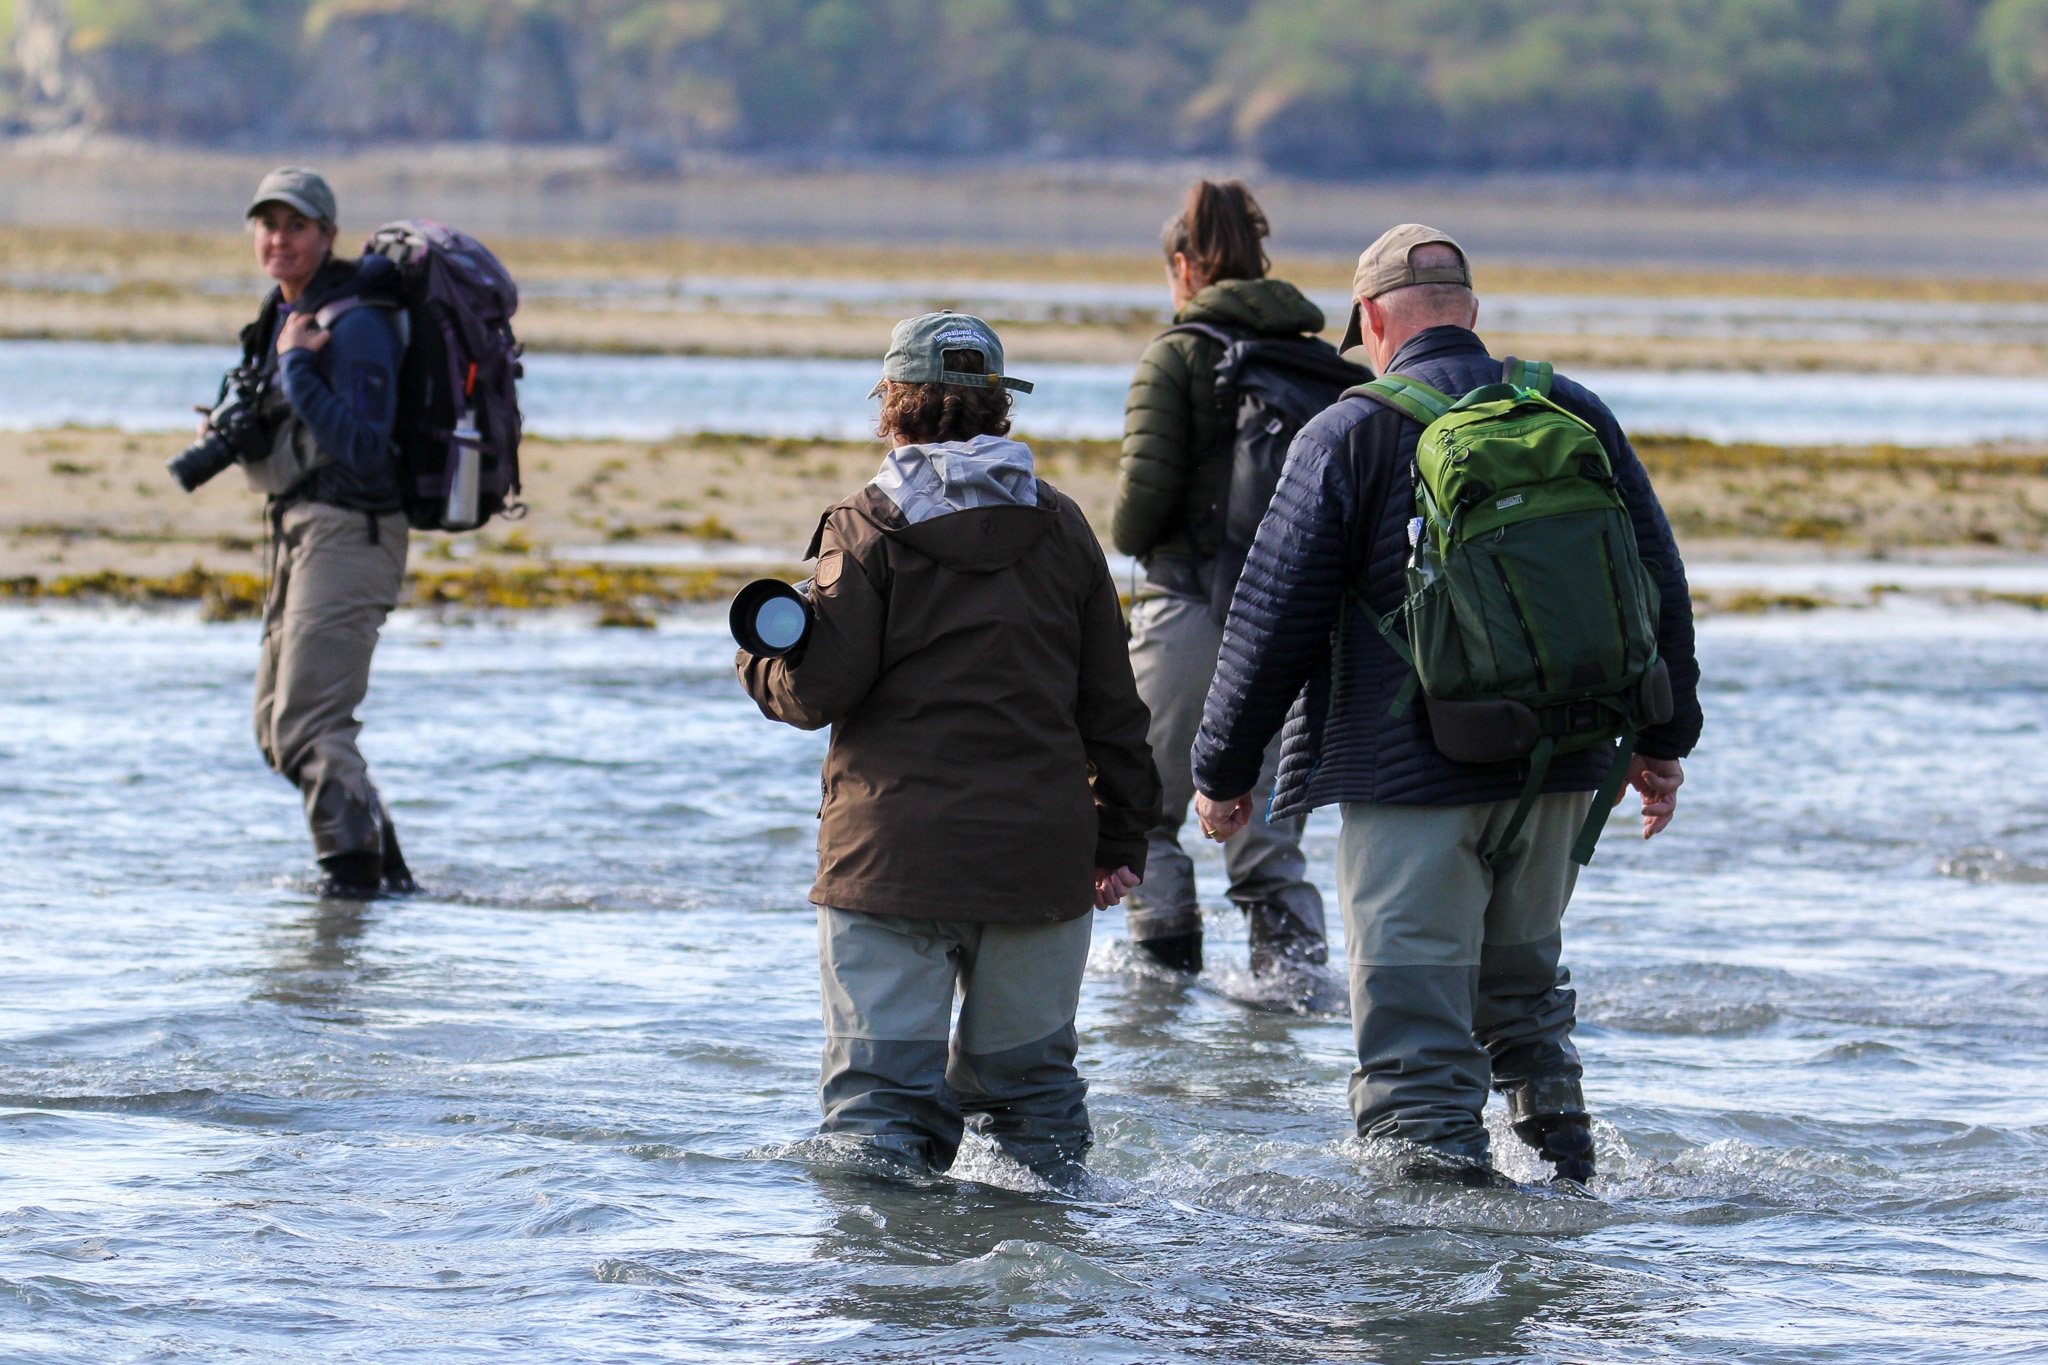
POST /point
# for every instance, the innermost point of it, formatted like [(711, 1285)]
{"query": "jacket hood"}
[(982, 539), (950, 476), (1267, 307)]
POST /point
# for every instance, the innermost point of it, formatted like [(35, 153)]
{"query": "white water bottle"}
[(460, 513)]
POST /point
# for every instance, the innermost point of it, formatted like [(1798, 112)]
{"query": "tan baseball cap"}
[(1385, 266)]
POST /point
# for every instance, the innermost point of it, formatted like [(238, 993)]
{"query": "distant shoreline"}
[(1790, 221)]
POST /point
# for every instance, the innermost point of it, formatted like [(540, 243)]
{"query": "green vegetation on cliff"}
[(1320, 86)]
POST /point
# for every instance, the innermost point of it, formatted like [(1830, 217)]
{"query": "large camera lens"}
[(200, 461), (770, 618)]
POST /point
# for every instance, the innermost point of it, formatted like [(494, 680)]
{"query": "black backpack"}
[(1274, 386)]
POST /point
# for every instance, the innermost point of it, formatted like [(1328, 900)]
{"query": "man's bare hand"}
[(1221, 819), (1112, 887), (1658, 779), (205, 419), (302, 332)]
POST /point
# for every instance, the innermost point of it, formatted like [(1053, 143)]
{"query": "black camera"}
[(232, 431)]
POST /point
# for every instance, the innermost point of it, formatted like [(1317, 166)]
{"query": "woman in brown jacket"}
[(989, 784)]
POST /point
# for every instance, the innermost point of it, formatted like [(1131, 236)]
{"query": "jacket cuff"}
[(1650, 748), (1226, 790), (1111, 854)]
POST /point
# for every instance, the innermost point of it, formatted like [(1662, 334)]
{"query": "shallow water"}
[(1704, 317), (544, 1111), (141, 386)]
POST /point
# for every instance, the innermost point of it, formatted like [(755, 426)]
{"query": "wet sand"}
[(691, 516), (113, 285), (82, 501)]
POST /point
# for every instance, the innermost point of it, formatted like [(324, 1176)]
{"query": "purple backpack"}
[(458, 426)]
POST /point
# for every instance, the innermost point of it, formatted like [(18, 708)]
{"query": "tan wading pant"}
[(897, 1075), (1455, 980), (1174, 644), (331, 587)]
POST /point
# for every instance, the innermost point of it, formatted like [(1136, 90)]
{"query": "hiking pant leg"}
[(1414, 896), (887, 985), (1266, 864), (1526, 1007), (1013, 1059), (333, 588), (1173, 656), (279, 588), (1174, 644), (1420, 907)]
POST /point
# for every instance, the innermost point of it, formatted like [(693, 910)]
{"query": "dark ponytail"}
[(1221, 230)]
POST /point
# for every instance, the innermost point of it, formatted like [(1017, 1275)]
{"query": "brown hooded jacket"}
[(988, 745)]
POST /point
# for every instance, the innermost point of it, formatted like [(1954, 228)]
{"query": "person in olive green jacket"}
[(1174, 471)]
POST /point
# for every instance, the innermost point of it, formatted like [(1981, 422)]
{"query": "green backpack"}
[(1531, 619)]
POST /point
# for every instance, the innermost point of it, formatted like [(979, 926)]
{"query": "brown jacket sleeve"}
[(1113, 722), (843, 657)]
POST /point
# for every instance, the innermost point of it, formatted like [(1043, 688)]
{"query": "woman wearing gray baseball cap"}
[(308, 415), (988, 785)]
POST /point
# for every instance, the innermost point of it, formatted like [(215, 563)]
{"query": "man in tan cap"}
[(1454, 956)]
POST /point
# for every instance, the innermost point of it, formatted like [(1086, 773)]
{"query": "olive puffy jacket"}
[(1176, 443)]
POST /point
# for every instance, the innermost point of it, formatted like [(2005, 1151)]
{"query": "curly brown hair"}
[(926, 413)]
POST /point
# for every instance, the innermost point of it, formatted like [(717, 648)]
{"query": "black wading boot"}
[(1281, 943), (352, 876), (397, 877), (1549, 1113), (1430, 1167), (1180, 952)]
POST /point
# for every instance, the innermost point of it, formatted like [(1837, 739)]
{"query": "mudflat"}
[(86, 502), (675, 296)]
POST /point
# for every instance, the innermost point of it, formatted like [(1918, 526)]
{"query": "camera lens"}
[(200, 461), (770, 618)]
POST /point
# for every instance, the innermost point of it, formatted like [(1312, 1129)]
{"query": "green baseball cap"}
[(307, 191), (918, 346)]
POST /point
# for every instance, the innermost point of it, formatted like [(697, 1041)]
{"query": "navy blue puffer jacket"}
[(1343, 505)]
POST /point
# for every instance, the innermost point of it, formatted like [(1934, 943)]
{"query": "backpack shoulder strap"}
[(1410, 397), (1203, 329), (258, 336), (1527, 374), (342, 307)]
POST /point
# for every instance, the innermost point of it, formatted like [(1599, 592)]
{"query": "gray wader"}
[(335, 574), (898, 1077), (1455, 982), (1174, 644)]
